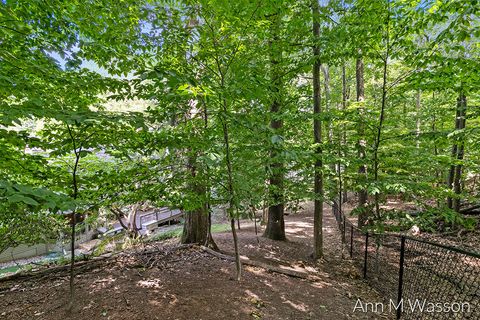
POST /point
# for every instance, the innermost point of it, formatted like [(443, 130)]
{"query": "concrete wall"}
[(24, 251)]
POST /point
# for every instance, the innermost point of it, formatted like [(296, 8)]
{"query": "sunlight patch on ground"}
[(225, 271), (150, 283), (320, 284), (251, 294), (268, 284), (293, 268), (255, 270), (100, 284), (298, 306), (299, 224)]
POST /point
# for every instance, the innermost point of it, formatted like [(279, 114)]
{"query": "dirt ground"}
[(163, 281)]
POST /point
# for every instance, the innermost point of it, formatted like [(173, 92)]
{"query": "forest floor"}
[(166, 281)]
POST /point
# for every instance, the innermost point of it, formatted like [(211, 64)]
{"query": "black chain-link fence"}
[(418, 279)]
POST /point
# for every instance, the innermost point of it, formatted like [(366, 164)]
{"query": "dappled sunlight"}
[(271, 256), (155, 303), (100, 284), (298, 224), (251, 294), (297, 236), (294, 230), (268, 284), (150, 283), (320, 284), (300, 306), (292, 268), (255, 270), (225, 271)]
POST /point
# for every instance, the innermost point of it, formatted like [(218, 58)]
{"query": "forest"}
[(310, 154)]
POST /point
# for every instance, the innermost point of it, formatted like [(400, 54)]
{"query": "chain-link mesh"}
[(431, 281), (383, 264), (447, 277)]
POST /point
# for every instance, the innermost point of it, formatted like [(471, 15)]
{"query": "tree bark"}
[(326, 84), (317, 138), (275, 228), (74, 219), (209, 242), (376, 147), (195, 228), (231, 196), (418, 114), (362, 143), (132, 221), (455, 175)]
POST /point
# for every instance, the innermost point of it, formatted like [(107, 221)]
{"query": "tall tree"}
[(362, 143), (455, 173), (317, 137), (275, 228)]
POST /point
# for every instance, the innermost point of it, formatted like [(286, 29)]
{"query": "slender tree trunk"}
[(72, 239), (376, 147), (342, 142), (376, 161), (438, 175), (231, 194), (228, 161), (74, 219), (455, 176), (418, 114), (326, 84), (209, 242), (345, 99), (275, 229), (317, 138), (362, 144)]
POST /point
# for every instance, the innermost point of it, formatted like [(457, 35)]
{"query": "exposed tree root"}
[(268, 267)]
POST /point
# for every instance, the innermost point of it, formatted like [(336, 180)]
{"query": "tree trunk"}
[(209, 242), (345, 99), (73, 220), (418, 114), (231, 193), (376, 146), (317, 138), (376, 161), (275, 228), (342, 140), (362, 144), (195, 228), (438, 174), (326, 84), (454, 178), (132, 221)]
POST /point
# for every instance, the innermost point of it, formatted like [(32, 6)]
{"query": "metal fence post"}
[(366, 256), (351, 241), (400, 276)]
